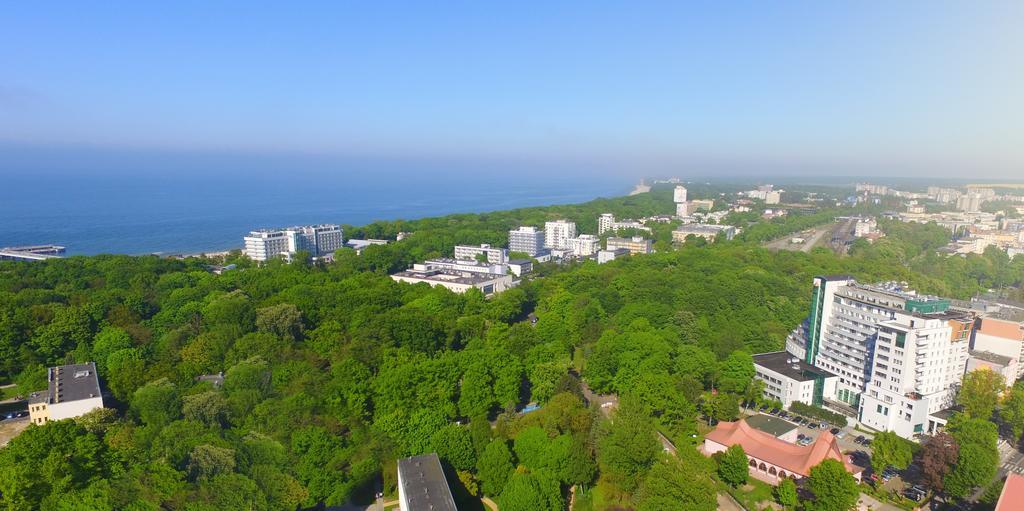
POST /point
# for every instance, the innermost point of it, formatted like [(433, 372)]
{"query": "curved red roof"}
[(791, 457)]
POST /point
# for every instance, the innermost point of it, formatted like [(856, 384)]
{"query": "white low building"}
[(72, 391), (788, 379)]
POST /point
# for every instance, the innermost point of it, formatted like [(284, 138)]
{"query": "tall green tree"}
[(979, 393), (671, 483), (733, 467), (494, 467), (629, 447), (889, 449), (834, 489)]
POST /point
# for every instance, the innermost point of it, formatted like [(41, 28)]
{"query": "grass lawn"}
[(600, 497), (9, 392), (754, 495)]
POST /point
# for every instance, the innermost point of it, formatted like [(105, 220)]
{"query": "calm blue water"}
[(174, 213)]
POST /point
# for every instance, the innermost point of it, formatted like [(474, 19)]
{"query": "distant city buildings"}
[(360, 245), (706, 231), (635, 245), (558, 233), (607, 222), (493, 255), (72, 391), (527, 240), (318, 240)]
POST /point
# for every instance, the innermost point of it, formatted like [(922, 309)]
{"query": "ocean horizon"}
[(125, 213)]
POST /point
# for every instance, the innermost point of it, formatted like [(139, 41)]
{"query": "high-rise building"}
[(494, 255), (898, 355), (558, 233), (916, 369), (528, 240), (605, 223), (679, 194), (318, 240), (773, 197)]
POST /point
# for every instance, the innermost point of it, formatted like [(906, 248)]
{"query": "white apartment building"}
[(557, 234), (72, 391), (318, 240), (585, 245), (919, 360), (494, 255), (528, 240), (773, 197)]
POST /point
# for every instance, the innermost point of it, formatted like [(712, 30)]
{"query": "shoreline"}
[(227, 247)]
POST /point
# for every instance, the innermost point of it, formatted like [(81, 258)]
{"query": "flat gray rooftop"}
[(782, 362), (69, 383), (424, 485)]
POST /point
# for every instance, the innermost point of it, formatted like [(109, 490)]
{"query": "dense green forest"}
[(333, 371)]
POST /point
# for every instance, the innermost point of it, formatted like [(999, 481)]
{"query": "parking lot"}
[(850, 440)]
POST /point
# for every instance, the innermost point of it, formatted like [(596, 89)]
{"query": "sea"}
[(170, 212)]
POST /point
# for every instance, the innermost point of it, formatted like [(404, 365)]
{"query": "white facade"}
[(585, 245), (528, 240), (788, 379), (772, 197), (683, 209), (318, 240), (493, 254), (679, 194), (605, 222), (916, 370), (557, 234)]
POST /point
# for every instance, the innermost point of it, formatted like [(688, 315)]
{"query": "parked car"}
[(801, 436), (812, 426), (775, 411), (763, 408), (834, 431), (859, 440)]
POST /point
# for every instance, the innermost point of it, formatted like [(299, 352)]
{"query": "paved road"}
[(1011, 460)]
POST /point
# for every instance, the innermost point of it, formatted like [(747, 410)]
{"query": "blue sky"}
[(873, 88)]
